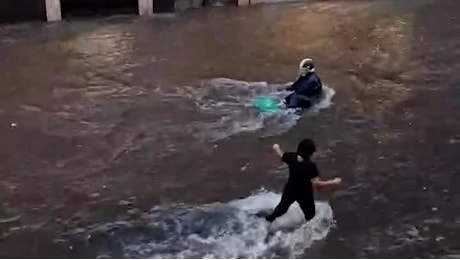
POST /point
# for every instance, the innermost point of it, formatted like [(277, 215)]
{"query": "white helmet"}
[(306, 66)]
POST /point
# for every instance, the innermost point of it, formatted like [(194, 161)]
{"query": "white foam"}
[(218, 230)]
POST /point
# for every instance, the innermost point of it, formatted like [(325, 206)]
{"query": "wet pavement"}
[(103, 116)]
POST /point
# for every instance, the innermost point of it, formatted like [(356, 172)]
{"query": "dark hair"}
[(306, 148)]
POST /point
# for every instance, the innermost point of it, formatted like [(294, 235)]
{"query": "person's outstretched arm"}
[(318, 183), (294, 85), (278, 151)]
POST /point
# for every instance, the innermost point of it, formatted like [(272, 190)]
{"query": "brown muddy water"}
[(132, 137)]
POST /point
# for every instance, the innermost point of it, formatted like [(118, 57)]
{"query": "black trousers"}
[(294, 101), (290, 195)]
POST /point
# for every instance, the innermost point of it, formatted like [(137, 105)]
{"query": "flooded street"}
[(133, 137)]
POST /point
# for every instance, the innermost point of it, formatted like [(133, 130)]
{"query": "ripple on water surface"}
[(230, 101)]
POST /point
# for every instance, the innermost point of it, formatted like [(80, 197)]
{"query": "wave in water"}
[(231, 102), (218, 230)]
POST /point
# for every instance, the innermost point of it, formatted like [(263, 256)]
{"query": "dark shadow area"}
[(79, 8), (12, 11), (163, 6)]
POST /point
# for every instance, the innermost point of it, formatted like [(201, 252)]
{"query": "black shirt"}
[(309, 85), (300, 172)]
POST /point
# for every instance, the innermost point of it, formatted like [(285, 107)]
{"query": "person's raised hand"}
[(337, 180)]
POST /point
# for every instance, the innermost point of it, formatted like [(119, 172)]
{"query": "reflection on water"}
[(102, 110), (101, 46)]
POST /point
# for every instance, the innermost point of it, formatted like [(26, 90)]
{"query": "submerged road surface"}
[(131, 137)]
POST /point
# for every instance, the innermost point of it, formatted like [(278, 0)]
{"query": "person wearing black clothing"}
[(303, 178)]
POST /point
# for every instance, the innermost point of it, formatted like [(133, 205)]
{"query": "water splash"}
[(218, 230), (231, 102)]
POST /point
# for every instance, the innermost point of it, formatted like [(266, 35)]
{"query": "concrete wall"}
[(12, 11), (54, 10), (243, 2), (22, 10), (145, 7)]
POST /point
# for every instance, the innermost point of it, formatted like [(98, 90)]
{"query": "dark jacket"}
[(309, 85)]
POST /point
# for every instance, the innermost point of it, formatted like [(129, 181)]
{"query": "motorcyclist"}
[(307, 87)]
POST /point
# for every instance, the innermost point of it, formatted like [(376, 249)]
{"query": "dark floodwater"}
[(102, 118)]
